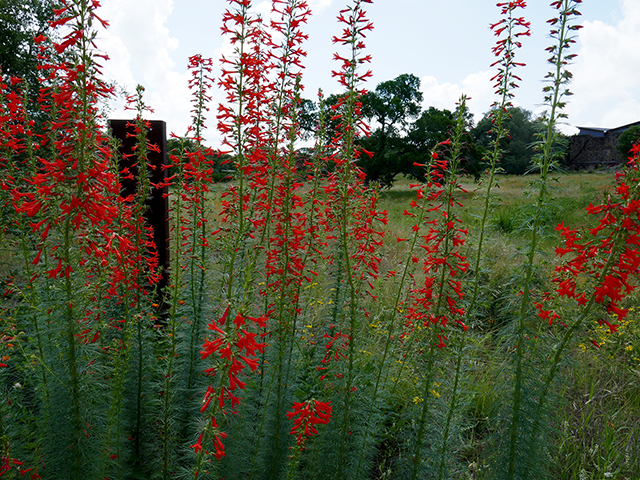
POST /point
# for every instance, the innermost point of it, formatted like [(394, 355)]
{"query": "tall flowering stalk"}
[(305, 416), (285, 246), (73, 193), (605, 256), (143, 267), (510, 29), (444, 457), (19, 142), (315, 199), (523, 445), (284, 228), (192, 169), (232, 347), (243, 122), (234, 123), (352, 214), (196, 181), (440, 190), (605, 259), (433, 308)]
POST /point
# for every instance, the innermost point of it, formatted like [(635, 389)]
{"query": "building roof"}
[(601, 132)]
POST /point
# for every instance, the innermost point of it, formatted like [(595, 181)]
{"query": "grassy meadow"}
[(598, 422), (307, 326)]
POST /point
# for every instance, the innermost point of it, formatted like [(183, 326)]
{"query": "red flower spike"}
[(442, 230), (225, 350), (603, 260), (198, 445), (305, 416)]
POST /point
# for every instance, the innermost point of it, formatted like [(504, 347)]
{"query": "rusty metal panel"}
[(157, 215)]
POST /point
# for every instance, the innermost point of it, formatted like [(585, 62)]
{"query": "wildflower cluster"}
[(609, 253), (306, 415), (443, 264), (231, 339), (113, 367), (510, 28)]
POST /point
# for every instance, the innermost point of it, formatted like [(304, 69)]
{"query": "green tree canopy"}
[(516, 148), (391, 107), (628, 138), (307, 118), (425, 133), (401, 133), (393, 104), (220, 164), (20, 22), (388, 159), (431, 128)]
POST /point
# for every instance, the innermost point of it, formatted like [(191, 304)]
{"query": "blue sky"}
[(446, 44)]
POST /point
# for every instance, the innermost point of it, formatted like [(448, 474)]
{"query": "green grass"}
[(598, 425), (571, 193)]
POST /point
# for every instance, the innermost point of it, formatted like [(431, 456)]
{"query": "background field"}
[(598, 426)]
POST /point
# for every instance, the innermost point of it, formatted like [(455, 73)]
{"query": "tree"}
[(20, 22), (629, 137), (220, 164), (425, 133), (393, 103), (433, 127), (401, 136), (517, 147), (307, 118), (391, 106), (388, 157)]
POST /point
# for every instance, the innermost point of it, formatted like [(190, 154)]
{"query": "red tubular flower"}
[(434, 305), (513, 27), (231, 340), (198, 445), (217, 443), (336, 346), (306, 416), (607, 256)]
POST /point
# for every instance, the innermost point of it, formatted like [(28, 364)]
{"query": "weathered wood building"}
[(596, 147)]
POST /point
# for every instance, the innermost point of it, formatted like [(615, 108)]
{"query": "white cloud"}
[(139, 45), (263, 9), (607, 71), (317, 6), (477, 86)]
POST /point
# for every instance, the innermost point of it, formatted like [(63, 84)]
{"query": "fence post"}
[(157, 214)]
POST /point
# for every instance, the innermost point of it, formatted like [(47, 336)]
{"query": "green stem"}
[(452, 408), (525, 300), (568, 335), (72, 359), (428, 383)]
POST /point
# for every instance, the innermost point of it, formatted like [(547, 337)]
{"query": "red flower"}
[(218, 444), (198, 445), (306, 415)]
